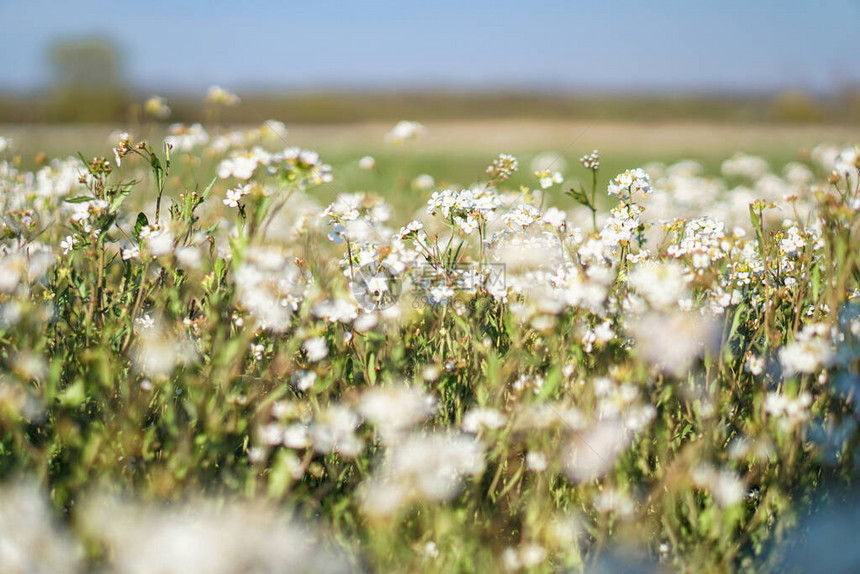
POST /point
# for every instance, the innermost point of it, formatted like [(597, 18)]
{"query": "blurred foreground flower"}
[(205, 538), (670, 342), (423, 468), (31, 541)]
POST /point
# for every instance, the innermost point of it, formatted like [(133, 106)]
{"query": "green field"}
[(457, 152)]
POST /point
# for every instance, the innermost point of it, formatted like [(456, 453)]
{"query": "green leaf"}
[(552, 383), (208, 190), (121, 196), (371, 369), (755, 217), (280, 476), (138, 225), (157, 170), (579, 196), (79, 199), (816, 282), (187, 207), (85, 162)]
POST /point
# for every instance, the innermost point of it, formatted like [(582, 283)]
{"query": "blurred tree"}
[(88, 82), (88, 62)]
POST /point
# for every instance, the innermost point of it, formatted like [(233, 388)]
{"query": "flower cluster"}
[(502, 168), (629, 183), (548, 178), (591, 161), (468, 209)]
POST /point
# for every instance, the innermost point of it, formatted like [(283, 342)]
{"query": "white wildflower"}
[(316, 349), (405, 131)]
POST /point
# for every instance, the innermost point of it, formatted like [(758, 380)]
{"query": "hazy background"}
[(333, 61), (638, 81)]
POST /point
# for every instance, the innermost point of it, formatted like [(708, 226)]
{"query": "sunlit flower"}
[(629, 183), (502, 167), (235, 195), (548, 178)]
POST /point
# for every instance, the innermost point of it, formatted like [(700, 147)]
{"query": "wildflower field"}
[(219, 356)]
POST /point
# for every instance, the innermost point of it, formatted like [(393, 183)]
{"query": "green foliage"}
[(218, 345)]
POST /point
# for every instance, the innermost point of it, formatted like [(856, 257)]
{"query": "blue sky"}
[(541, 45)]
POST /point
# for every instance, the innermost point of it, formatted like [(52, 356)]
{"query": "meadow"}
[(455, 347)]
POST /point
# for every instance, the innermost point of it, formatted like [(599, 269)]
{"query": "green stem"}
[(593, 205)]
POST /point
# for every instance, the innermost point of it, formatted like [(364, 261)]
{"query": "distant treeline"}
[(118, 105)]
